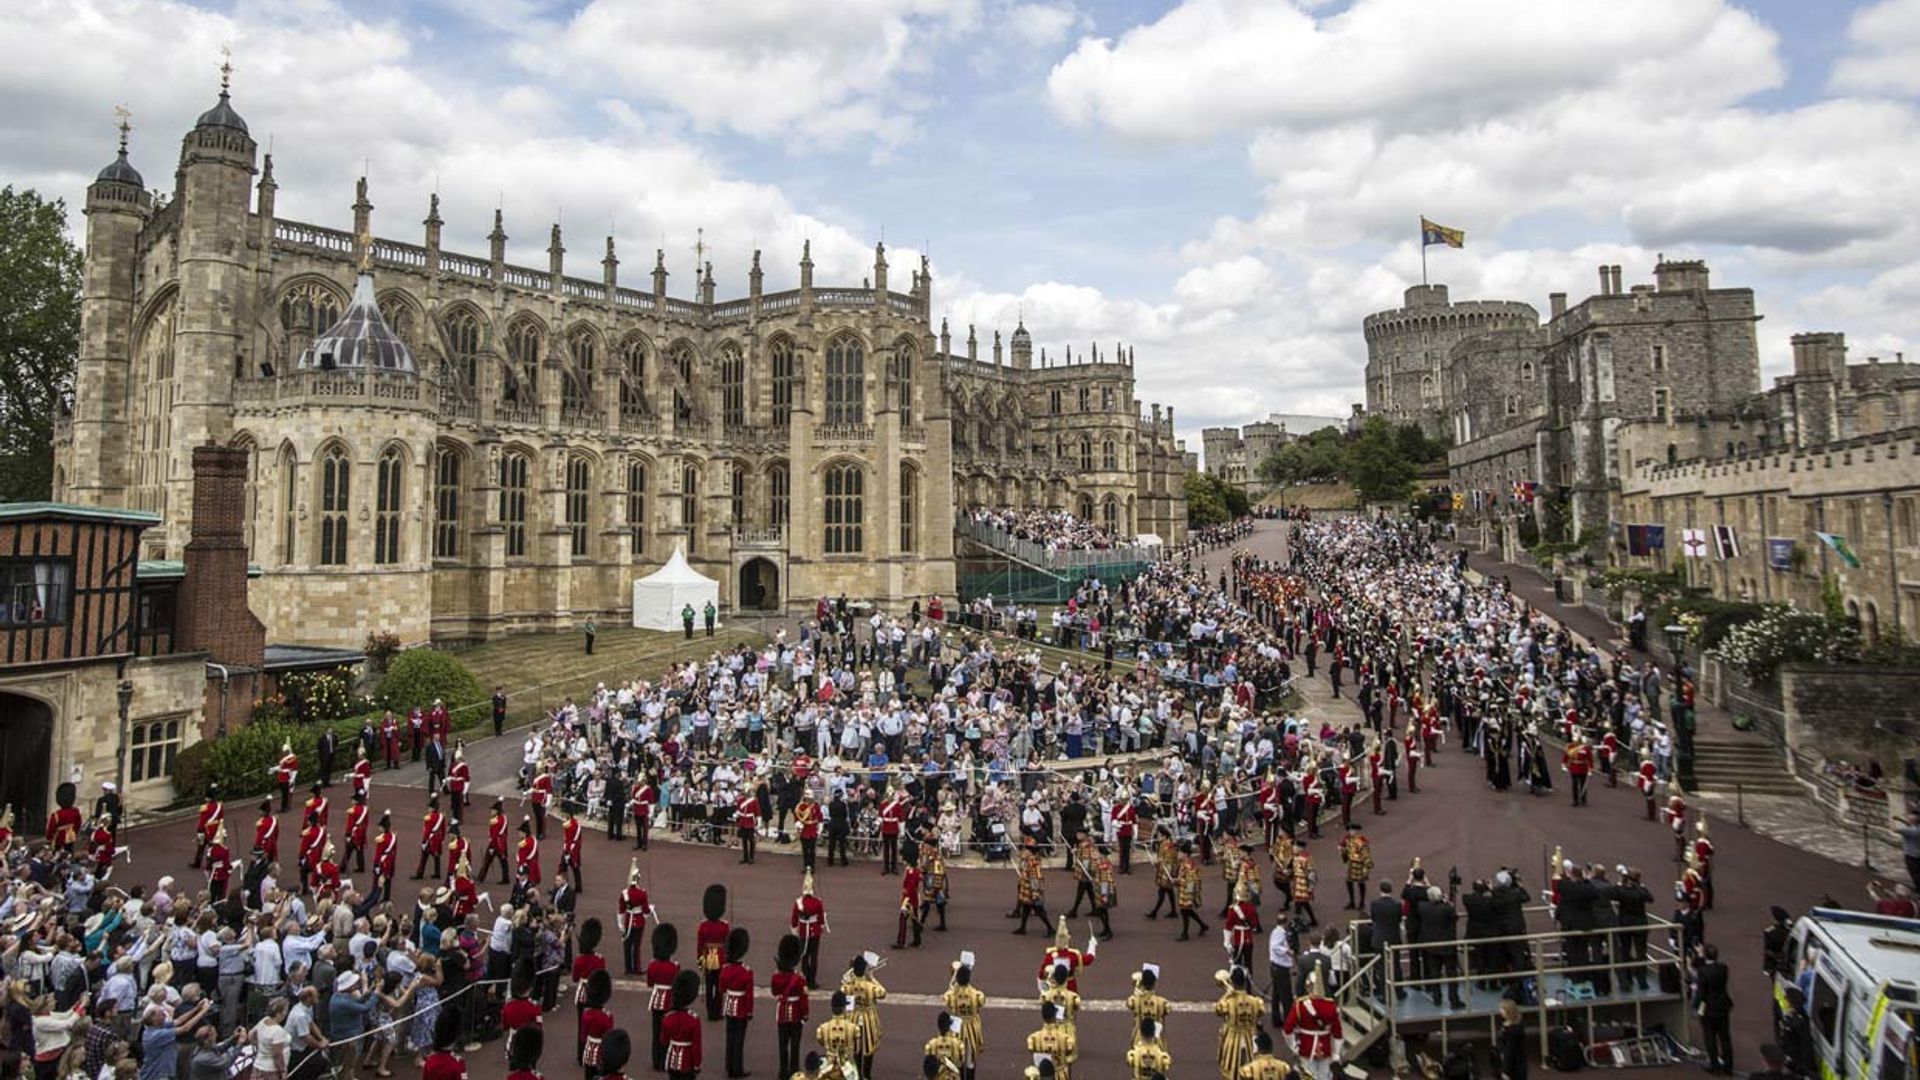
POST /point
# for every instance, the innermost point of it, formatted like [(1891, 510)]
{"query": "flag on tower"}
[(1432, 232)]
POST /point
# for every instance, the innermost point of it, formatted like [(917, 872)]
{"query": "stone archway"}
[(26, 755), (759, 585)]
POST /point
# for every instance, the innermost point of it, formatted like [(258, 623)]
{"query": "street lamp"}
[(1682, 711), (120, 765)]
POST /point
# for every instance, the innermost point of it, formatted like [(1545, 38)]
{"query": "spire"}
[(363, 224), (265, 189), (222, 114), (120, 170)]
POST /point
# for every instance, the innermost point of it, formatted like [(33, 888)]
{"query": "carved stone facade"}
[(553, 437)]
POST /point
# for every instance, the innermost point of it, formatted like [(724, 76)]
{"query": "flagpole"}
[(1423, 253)]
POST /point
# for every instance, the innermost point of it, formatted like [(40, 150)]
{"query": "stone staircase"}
[(1725, 761)]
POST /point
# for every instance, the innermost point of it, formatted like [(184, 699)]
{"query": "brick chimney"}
[(213, 611)]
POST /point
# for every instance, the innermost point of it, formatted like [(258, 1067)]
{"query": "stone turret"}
[(610, 270), (117, 208), (1022, 346), (556, 258), (497, 247), (432, 224)]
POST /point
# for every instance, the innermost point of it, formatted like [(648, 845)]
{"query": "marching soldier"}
[(634, 909), (1188, 887), (1056, 990), (496, 841), (645, 795), (219, 863), (965, 1002), (386, 852), (1314, 1023), (595, 1022), (1055, 1040), (1230, 858), (1377, 774), (433, 839), (1677, 820), (1145, 1003), (1264, 1066), (1106, 892), (663, 974), (457, 848), (1148, 1058), (212, 813), (1125, 815), (313, 841), (680, 1030), (1647, 780), (1303, 882), (1166, 877), (526, 856), (362, 775), (866, 993), (710, 944), (839, 1036), (1030, 897), (910, 907), (746, 822), (266, 832), (523, 1053), (1357, 853), (791, 1006), (806, 818), (459, 780), (356, 831), (1281, 851), (933, 884), (808, 920), (286, 773), (1577, 759), (572, 836), (1703, 860), (945, 1047), (1415, 755), (1242, 926), (540, 796), (1062, 953), (736, 1000), (63, 824), (1239, 1011), (318, 806)]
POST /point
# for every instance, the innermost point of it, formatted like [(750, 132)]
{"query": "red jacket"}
[(313, 840), (893, 814), (497, 835), (219, 863), (385, 849), (710, 943), (433, 832), (1314, 1024), (680, 1031), (633, 910), (210, 817), (746, 813), (63, 826), (808, 917), (357, 825), (570, 834), (594, 1025), (1243, 921), (362, 776), (641, 804), (660, 976), (790, 1004), (736, 992), (584, 965), (266, 836), (317, 806), (910, 890), (443, 1065)]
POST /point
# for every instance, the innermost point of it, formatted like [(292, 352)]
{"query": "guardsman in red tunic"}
[(909, 907), (595, 1021), (356, 832), (362, 775), (1703, 861), (459, 780), (809, 922), (539, 795), (680, 1029), (433, 839), (736, 1000), (101, 846), (662, 973), (457, 847), (1062, 952), (212, 813), (640, 807), (1430, 732), (286, 773), (63, 825), (466, 895), (1677, 820), (586, 961), (496, 842), (571, 835), (318, 807), (326, 875), (1125, 817), (806, 819), (1271, 814), (746, 821), (313, 843), (893, 816), (1413, 744), (710, 944), (1310, 787), (386, 851), (635, 908), (788, 988), (1314, 1023), (526, 857), (219, 864), (1647, 780), (1242, 925), (523, 1053), (1609, 757), (1577, 758)]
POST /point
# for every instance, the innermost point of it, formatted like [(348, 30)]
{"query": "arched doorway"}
[(759, 585), (26, 747)]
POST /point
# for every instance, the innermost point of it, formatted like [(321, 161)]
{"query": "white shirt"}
[(266, 963), (1279, 948)]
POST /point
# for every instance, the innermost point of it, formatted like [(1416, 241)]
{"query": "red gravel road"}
[(1454, 821)]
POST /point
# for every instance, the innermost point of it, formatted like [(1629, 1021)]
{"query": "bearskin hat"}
[(65, 795), (666, 941), (930, 1067), (599, 988), (523, 1048), (1263, 1042), (786, 954), (616, 1049), (686, 987), (737, 942), (714, 903), (590, 934)]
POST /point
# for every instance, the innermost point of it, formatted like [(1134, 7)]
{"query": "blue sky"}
[(1228, 185)]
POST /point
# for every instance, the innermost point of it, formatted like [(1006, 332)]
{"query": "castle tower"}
[(95, 468), (216, 307), (1407, 350), (1022, 346)]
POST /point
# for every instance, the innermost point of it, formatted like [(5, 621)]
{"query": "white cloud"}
[(1040, 25), (1885, 50), (1233, 283)]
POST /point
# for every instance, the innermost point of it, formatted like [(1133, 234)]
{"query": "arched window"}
[(846, 382), (845, 509), (905, 358), (289, 504), (690, 505), (1526, 371), (1110, 515), (637, 508), (1106, 399), (578, 390), (463, 347), (681, 357), (521, 386), (577, 480), (1084, 509), (633, 375), (785, 381), (513, 502), (779, 495), (737, 493), (335, 491), (153, 388), (733, 388), (909, 507), (1086, 455), (305, 310), (1086, 399), (397, 313), (388, 479), (1109, 456), (446, 504)]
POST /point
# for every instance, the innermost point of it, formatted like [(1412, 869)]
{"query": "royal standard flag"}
[(1432, 233), (1841, 548)]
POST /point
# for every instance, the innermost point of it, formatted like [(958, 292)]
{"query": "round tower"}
[(1407, 350), (94, 463), (1022, 347)]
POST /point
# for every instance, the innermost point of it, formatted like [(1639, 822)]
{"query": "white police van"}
[(1860, 974)]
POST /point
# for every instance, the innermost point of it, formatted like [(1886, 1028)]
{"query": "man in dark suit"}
[(328, 748), (1574, 913), (1384, 914), (436, 766), (1715, 1008), (1439, 924)]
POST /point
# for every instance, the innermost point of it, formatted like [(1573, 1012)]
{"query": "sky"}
[(1226, 186)]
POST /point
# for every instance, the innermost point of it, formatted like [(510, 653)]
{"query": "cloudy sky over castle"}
[(1227, 185)]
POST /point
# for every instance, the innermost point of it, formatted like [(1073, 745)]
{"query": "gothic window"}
[(1109, 456), (1053, 402), (737, 494), (733, 387), (845, 509), (637, 508), (784, 382), (681, 357), (1106, 399), (846, 382), (1086, 455), (578, 478), (1110, 515), (463, 347), (398, 315), (446, 504), (289, 503), (904, 359), (1526, 371), (779, 495), (1084, 509), (305, 310), (578, 390), (1086, 399), (335, 489), (513, 502), (633, 373), (1513, 405), (521, 386), (388, 478), (690, 505), (153, 409), (909, 507)]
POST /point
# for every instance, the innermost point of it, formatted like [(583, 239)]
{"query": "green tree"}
[(1377, 465), (39, 337), (1205, 504)]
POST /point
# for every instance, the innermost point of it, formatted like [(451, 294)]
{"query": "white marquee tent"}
[(659, 597)]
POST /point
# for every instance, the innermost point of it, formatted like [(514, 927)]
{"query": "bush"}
[(1785, 635), (1714, 617), (239, 762), (418, 676), (319, 696), (190, 773), (381, 647)]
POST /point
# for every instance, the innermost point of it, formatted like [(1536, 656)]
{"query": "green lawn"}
[(541, 671)]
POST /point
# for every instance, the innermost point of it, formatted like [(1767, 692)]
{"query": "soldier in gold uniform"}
[(1056, 1040), (1282, 852), (1188, 887), (1166, 877), (933, 883), (814, 1068), (965, 1002), (1144, 1003), (866, 994), (946, 1046), (1030, 899), (1058, 993), (1264, 1066), (839, 1036), (1230, 859), (1239, 1012), (1148, 1056), (1303, 885), (1357, 853)]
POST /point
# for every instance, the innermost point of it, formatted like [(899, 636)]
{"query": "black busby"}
[(446, 1030), (786, 954), (841, 1002), (1263, 1042), (266, 805), (1059, 975), (963, 975), (316, 789), (858, 965), (360, 797), (213, 791), (590, 934), (520, 979), (737, 942), (686, 987), (599, 989), (666, 941), (814, 1060), (523, 1049), (1239, 978), (714, 903), (66, 794), (616, 1049), (1049, 1011), (930, 1067)]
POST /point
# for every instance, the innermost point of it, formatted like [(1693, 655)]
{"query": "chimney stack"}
[(1557, 304)]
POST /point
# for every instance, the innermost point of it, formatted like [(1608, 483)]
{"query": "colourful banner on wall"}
[(1780, 552)]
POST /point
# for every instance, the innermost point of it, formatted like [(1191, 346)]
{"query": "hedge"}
[(1719, 616), (419, 676)]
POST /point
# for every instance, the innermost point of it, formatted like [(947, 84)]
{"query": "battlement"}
[(1468, 316)]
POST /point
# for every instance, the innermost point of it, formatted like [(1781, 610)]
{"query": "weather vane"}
[(226, 66), (125, 116)]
